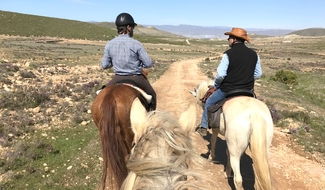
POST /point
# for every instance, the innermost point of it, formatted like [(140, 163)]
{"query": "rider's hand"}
[(211, 86)]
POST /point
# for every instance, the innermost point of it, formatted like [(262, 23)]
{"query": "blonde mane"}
[(163, 153)]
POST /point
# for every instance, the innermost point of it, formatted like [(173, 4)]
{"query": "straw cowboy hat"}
[(240, 33)]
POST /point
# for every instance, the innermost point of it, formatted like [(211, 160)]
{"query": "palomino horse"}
[(162, 151), (111, 114), (244, 122)]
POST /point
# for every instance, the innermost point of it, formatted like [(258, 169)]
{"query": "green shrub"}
[(8, 67), (298, 115), (62, 91), (27, 74), (285, 77), (23, 98)]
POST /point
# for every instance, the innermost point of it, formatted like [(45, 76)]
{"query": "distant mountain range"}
[(218, 31), (32, 25)]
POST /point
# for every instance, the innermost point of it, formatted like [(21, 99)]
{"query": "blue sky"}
[(266, 14)]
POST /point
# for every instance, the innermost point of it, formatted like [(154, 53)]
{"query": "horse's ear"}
[(193, 92), (138, 117), (188, 119)]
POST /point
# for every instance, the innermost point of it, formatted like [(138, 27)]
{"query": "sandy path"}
[(288, 169)]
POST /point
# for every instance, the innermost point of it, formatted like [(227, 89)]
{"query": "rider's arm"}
[(106, 60), (144, 57), (258, 69), (221, 70)]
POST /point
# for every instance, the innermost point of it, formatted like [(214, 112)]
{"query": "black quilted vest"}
[(240, 73)]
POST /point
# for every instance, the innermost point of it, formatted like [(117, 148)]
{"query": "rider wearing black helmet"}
[(122, 21), (128, 57)]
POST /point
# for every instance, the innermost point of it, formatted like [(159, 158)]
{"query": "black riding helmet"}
[(124, 19)]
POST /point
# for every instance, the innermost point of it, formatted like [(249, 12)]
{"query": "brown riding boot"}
[(202, 131)]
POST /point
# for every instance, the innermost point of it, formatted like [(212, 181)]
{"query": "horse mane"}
[(161, 156)]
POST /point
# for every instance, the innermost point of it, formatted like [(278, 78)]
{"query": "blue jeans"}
[(213, 99)]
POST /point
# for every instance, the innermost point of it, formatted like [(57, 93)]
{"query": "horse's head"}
[(163, 151), (141, 120), (201, 89)]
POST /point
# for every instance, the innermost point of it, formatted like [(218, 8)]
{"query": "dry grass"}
[(46, 135)]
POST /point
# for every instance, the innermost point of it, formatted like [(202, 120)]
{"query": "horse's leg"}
[(213, 141), (235, 165), (237, 143), (228, 166)]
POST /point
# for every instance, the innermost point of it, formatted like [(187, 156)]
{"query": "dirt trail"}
[(289, 170)]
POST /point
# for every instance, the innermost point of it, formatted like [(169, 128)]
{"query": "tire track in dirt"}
[(289, 170)]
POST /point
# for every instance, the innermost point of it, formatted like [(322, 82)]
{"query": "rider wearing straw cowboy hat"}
[(127, 56), (239, 68)]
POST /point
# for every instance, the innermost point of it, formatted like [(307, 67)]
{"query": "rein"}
[(210, 91)]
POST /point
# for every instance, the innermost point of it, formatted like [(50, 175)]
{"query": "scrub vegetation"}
[(49, 73)]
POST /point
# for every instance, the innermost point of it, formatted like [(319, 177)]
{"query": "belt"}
[(128, 75)]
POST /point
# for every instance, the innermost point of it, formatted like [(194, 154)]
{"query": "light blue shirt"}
[(223, 67), (126, 55)]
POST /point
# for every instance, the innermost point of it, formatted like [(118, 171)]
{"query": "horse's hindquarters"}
[(248, 122), (111, 114)]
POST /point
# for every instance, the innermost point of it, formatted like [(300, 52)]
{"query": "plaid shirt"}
[(126, 55)]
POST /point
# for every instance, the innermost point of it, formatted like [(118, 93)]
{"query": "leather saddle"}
[(144, 98)]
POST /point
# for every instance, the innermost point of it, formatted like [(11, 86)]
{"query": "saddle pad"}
[(143, 93)]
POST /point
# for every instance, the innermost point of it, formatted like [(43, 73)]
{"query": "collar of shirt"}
[(124, 35)]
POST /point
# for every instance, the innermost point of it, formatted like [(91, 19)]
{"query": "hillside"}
[(310, 32), (31, 25)]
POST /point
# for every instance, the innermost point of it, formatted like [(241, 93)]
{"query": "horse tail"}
[(113, 149), (259, 150)]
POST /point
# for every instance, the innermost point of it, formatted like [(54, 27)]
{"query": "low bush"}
[(23, 97), (285, 77)]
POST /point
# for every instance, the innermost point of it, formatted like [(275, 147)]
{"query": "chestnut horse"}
[(245, 122), (163, 151), (111, 114)]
